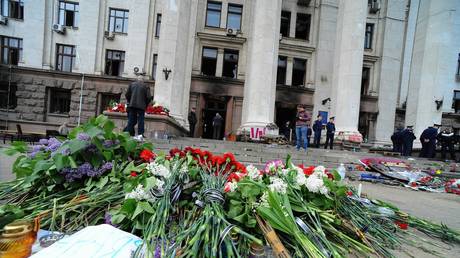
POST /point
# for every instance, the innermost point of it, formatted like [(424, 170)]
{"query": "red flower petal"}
[(133, 174), (147, 155)]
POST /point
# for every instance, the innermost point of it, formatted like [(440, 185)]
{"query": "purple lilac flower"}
[(53, 144), (92, 148), (108, 143), (36, 149), (65, 152), (43, 141), (85, 169), (83, 137)]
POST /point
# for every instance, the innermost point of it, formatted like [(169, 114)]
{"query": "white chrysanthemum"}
[(253, 172), (138, 194), (300, 178), (277, 185), (324, 190), (284, 171), (320, 169), (315, 184), (158, 170)]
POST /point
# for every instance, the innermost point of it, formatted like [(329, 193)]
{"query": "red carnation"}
[(229, 157), (147, 155), (217, 160), (133, 174), (349, 193), (176, 151), (308, 171), (207, 155)]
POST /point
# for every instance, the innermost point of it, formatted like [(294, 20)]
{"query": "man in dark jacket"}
[(192, 121), (447, 139), (397, 141), (138, 97), (428, 140), (330, 131), (408, 138), (217, 123), (309, 133), (317, 128)]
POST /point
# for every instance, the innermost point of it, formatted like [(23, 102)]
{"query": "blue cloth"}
[(135, 116), (301, 135), (428, 139), (317, 127), (330, 128)]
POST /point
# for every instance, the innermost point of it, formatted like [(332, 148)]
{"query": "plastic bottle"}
[(342, 171)]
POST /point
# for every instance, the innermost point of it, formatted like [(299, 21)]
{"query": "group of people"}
[(304, 130), (217, 123), (403, 141)]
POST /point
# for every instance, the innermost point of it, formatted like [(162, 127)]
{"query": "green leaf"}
[(94, 131), (128, 206), (72, 162), (17, 147), (76, 145), (102, 182), (137, 211), (147, 207), (61, 161), (42, 165), (117, 218)]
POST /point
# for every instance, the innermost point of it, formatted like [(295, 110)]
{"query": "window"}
[(8, 97), (365, 80), (458, 65), (456, 101), (302, 26), (368, 36), (285, 23), (11, 50), (234, 16), (59, 101), (213, 14), (154, 67), (114, 62), (298, 72), (105, 99), (13, 9), (65, 57), (68, 14), (209, 61), (230, 67), (281, 73), (158, 27), (118, 20)]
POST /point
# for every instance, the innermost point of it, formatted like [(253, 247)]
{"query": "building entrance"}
[(286, 113), (214, 105)]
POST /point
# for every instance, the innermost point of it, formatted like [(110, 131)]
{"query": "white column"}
[(292, 23), (289, 67), (220, 62), (390, 69), (434, 60), (348, 64), (175, 53), (262, 62)]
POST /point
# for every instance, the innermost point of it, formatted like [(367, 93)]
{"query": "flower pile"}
[(152, 109)]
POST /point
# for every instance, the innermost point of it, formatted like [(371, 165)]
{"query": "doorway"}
[(213, 105), (286, 113)]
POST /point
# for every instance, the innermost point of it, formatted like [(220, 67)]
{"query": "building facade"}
[(375, 65)]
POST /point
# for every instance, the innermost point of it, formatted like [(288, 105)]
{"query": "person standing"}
[(309, 133), (428, 140), (138, 97), (330, 131), (217, 122), (408, 138), (446, 137), (317, 128), (302, 120), (396, 139), (192, 122)]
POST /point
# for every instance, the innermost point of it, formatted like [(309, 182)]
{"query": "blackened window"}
[(118, 20), (230, 67), (13, 8), (106, 99), (59, 101), (234, 16), (65, 57), (154, 67), (11, 50), (114, 62), (158, 27), (458, 65), (68, 13), (365, 80), (281, 73), (285, 23), (8, 97), (209, 61), (368, 36), (298, 72), (302, 26), (456, 101), (213, 14)]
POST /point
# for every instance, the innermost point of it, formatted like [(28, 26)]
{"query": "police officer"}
[(317, 128), (408, 137), (446, 137), (396, 139), (428, 140), (330, 131)]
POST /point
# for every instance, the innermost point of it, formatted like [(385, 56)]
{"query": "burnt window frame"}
[(60, 56), (369, 35), (228, 51), (304, 71), (8, 47), (154, 66), (107, 61), (235, 13), (308, 30), (63, 10), (60, 104), (203, 57), (365, 88), (213, 10), (283, 68), (288, 32), (458, 65), (6, 9), (124, 18), (158, 25), (8, 98)]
